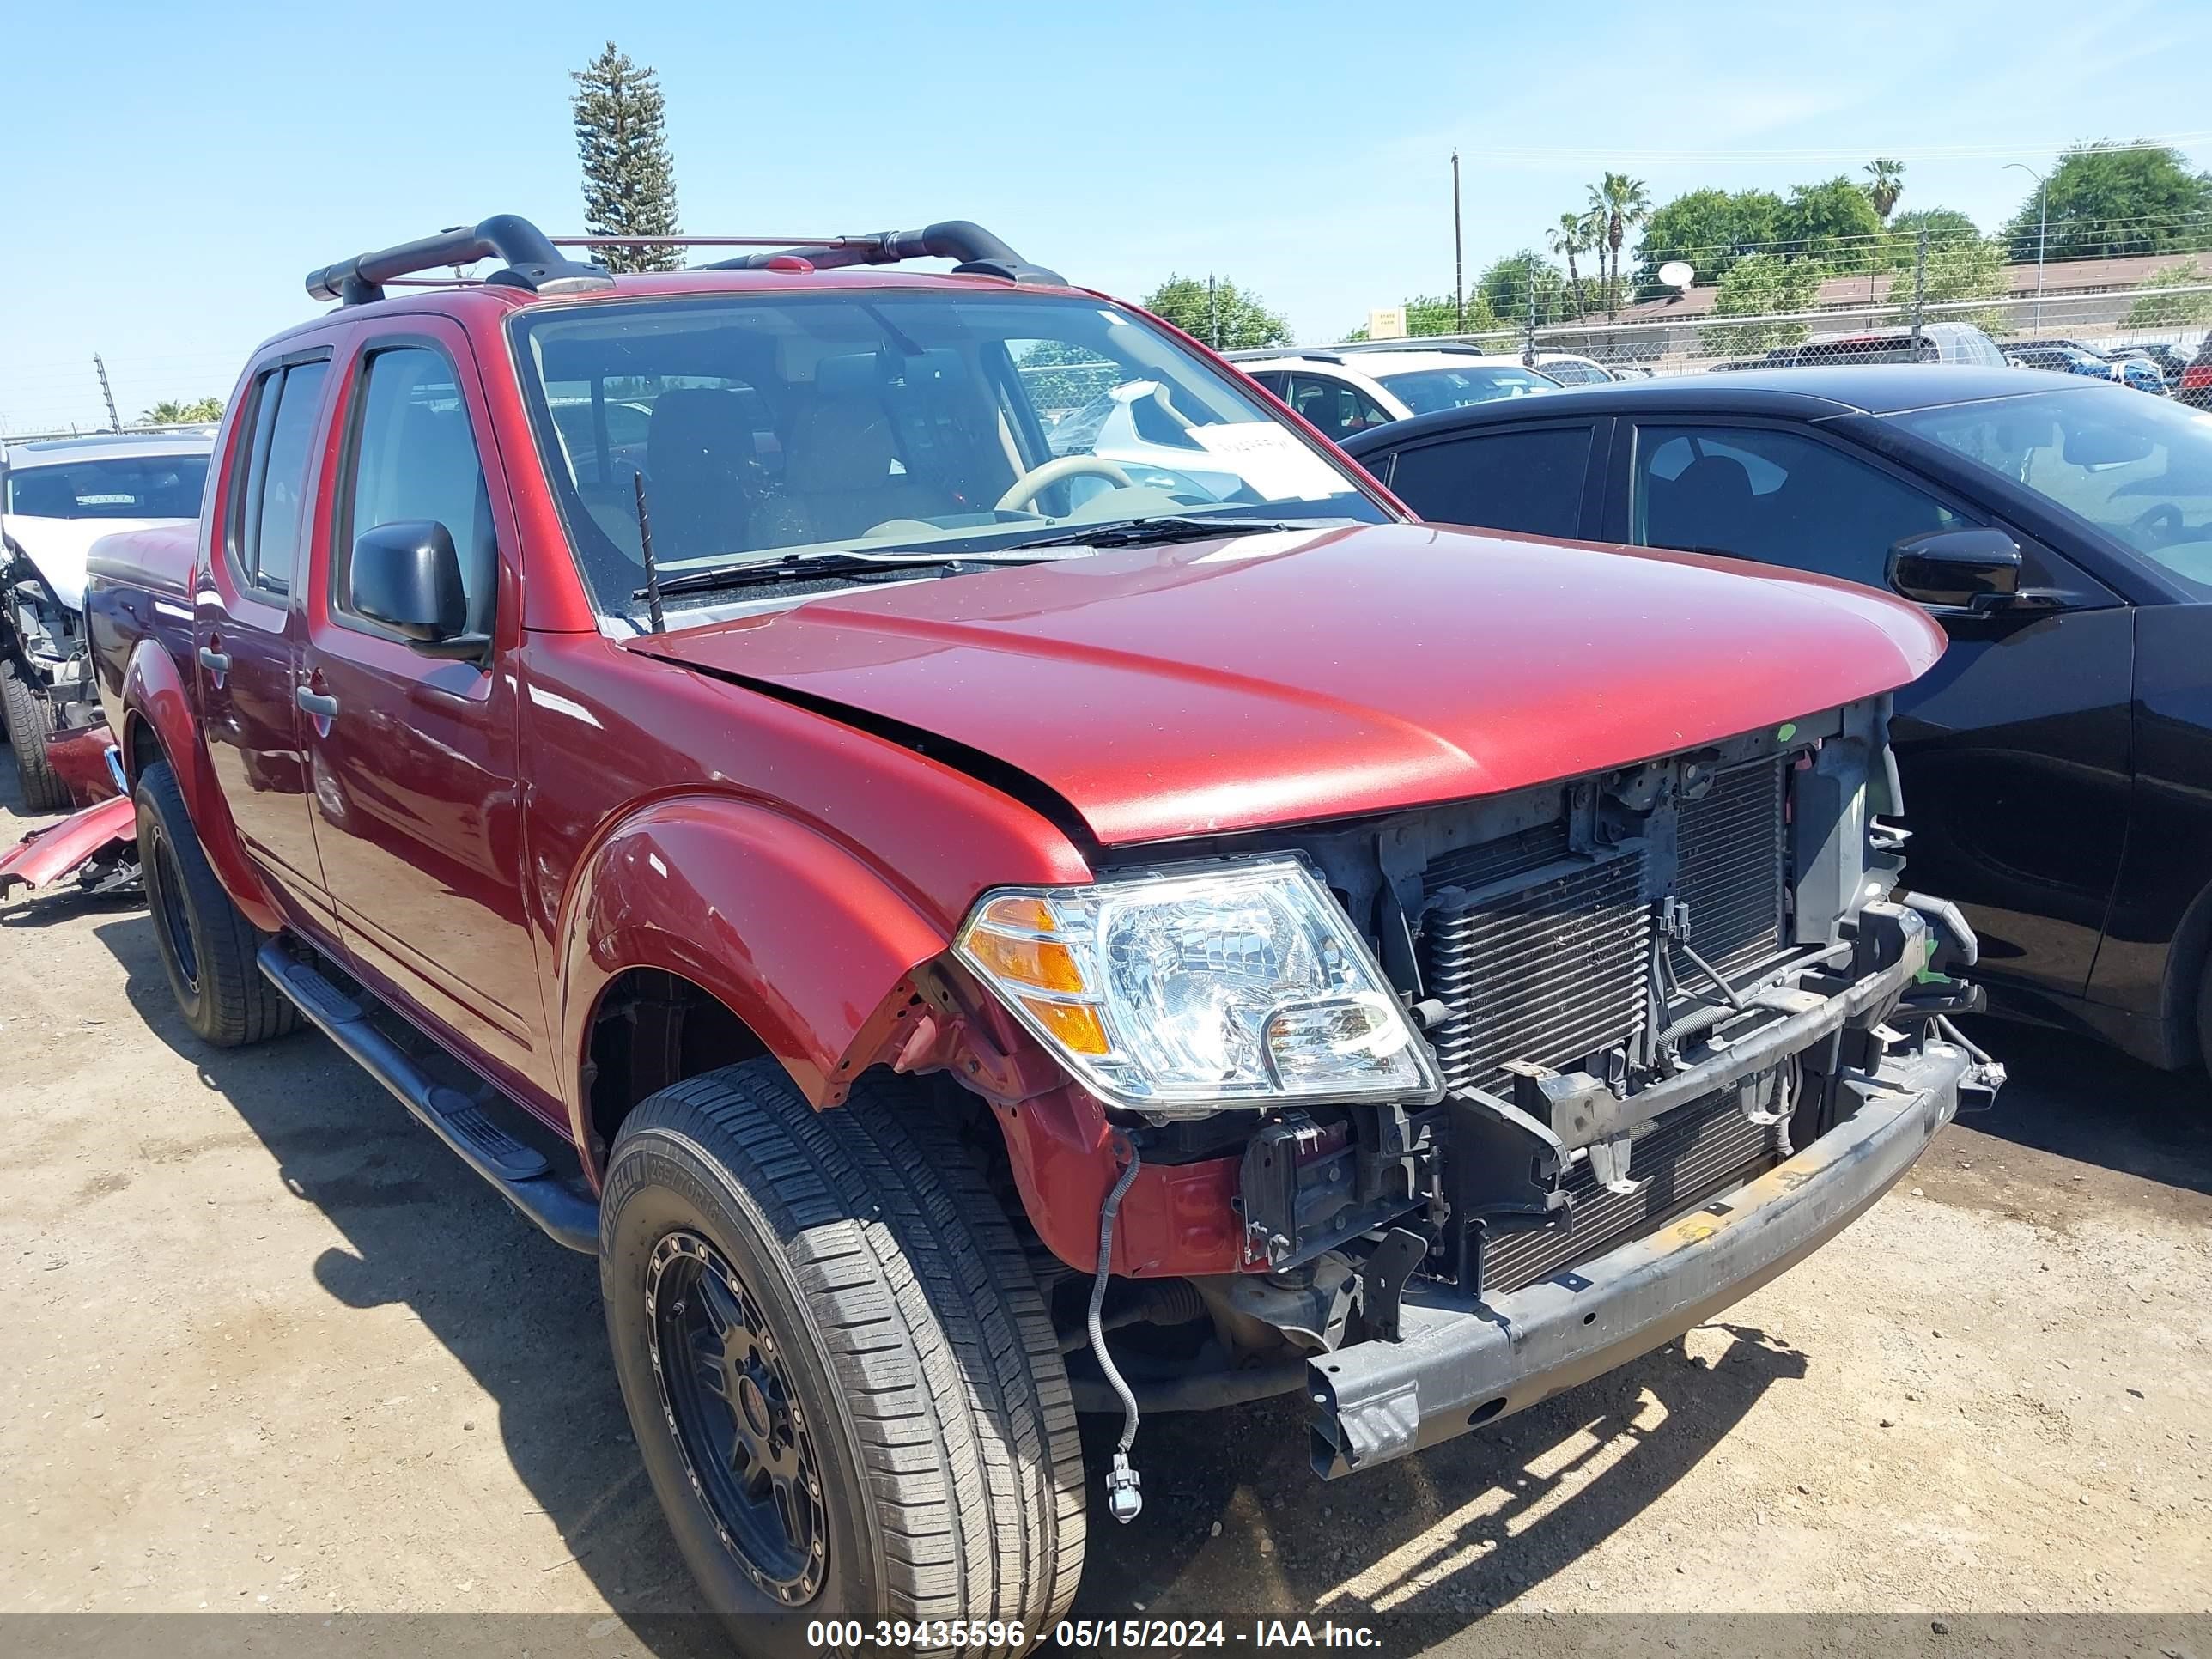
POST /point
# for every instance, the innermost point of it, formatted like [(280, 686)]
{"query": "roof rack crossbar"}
[(977, 251), (532, 262)]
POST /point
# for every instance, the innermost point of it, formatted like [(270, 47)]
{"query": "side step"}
[(567, 1215)]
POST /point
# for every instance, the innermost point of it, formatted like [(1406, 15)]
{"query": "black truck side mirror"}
[(1962, 570), (407, 575)]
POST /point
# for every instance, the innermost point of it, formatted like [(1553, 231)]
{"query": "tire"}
[(931, 1403), (30, 721), (207, 945)]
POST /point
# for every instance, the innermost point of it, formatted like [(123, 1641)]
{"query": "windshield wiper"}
[(1147, 532), (805, 566)]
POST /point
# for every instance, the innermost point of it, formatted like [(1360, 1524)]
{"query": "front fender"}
[(800, 939), (153, 691)]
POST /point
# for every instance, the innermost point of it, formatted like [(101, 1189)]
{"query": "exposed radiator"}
[(1731, 871), (1552, 972), (1690, 1154)]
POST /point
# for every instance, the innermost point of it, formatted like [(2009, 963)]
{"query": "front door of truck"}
[(247, 626), (418, 814)]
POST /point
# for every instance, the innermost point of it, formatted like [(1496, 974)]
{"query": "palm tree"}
[(1888, 185), (1571, 238), (1616, 203)]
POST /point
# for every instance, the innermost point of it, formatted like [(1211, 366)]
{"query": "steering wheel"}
[(2164, 520), (1025, 489)]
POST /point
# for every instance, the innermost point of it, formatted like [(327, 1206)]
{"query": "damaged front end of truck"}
[(1670, 1027)]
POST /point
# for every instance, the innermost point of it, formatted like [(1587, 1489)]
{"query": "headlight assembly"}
[(1179, 994)]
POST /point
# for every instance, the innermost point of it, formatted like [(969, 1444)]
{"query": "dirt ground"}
[(266, 1346)]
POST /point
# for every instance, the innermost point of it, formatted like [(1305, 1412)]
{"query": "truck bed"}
[(139, 586)]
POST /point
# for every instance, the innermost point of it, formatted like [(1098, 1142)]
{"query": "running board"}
[(567, 1215)]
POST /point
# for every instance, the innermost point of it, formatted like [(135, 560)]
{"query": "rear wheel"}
[(844, 1382), (207, 945), (30, 723)]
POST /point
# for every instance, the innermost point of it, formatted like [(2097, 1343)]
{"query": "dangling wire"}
[(1124, 1498)]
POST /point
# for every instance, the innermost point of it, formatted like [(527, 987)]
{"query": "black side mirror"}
[(1961, 569), (407, 575)]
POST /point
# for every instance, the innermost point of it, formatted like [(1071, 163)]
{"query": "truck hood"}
[(58, 546), (1283, 677)]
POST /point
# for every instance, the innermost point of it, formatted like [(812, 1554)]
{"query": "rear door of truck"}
[(247, 625)]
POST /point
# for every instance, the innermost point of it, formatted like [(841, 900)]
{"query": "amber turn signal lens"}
[(1019, 912), (1040, 962), (1075, 1025)]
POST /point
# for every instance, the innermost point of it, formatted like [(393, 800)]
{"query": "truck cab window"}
[(415, 458), (266, 522)]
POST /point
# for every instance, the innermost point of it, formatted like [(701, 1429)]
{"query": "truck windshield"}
[(890, 421), (126, 487), (2138, 469)]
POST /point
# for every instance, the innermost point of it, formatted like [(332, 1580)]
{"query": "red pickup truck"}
[(971, 926)]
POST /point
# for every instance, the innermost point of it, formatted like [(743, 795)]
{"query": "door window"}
[(415, 458), (1338, 408), (1774, 496), (268, 514), (1528, 481)]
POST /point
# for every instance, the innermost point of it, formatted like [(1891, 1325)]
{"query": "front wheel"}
[(843, 1378), (30, 720)]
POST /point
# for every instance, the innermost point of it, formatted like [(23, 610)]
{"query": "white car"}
[(1570, 369), (1348, 389), (57, 498)]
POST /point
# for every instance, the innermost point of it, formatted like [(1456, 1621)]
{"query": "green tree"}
[(1507, 285), (2106, 201), (1888, 184), (1757, 285), (629, 177), (1707, 230), (1966, 267), (1226, 317), (1617, 203), (171, 411), (2166, 310), (1572, 240), (1833, 222)]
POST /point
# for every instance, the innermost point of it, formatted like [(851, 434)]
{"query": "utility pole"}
[(2042, 229), (1529, 351), (1919, 288), (114, 421), (1459, 257), (1213, 304)]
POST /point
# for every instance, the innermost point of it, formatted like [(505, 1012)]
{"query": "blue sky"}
[(178, 167)]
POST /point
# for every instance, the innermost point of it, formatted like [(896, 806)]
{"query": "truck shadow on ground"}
[(1235, 1522)]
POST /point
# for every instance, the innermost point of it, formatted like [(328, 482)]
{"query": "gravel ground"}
[(267, 1347)]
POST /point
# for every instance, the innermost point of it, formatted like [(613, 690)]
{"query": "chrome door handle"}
[(215, 662), (315, 703)]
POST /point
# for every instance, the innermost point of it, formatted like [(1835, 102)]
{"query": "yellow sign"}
[(1387, 324)]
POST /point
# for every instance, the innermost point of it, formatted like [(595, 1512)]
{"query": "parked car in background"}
[(58, 496), (2140, 373), (1568, 368), (2057, 764), (2172, 359), (2061, 359), (926, 918), (2195, 388), (1345, 390), (1939, 342)]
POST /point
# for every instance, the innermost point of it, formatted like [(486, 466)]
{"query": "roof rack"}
[(532, 262), (978, 251)]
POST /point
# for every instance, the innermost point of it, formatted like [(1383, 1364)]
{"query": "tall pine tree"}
[(630, 178)]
